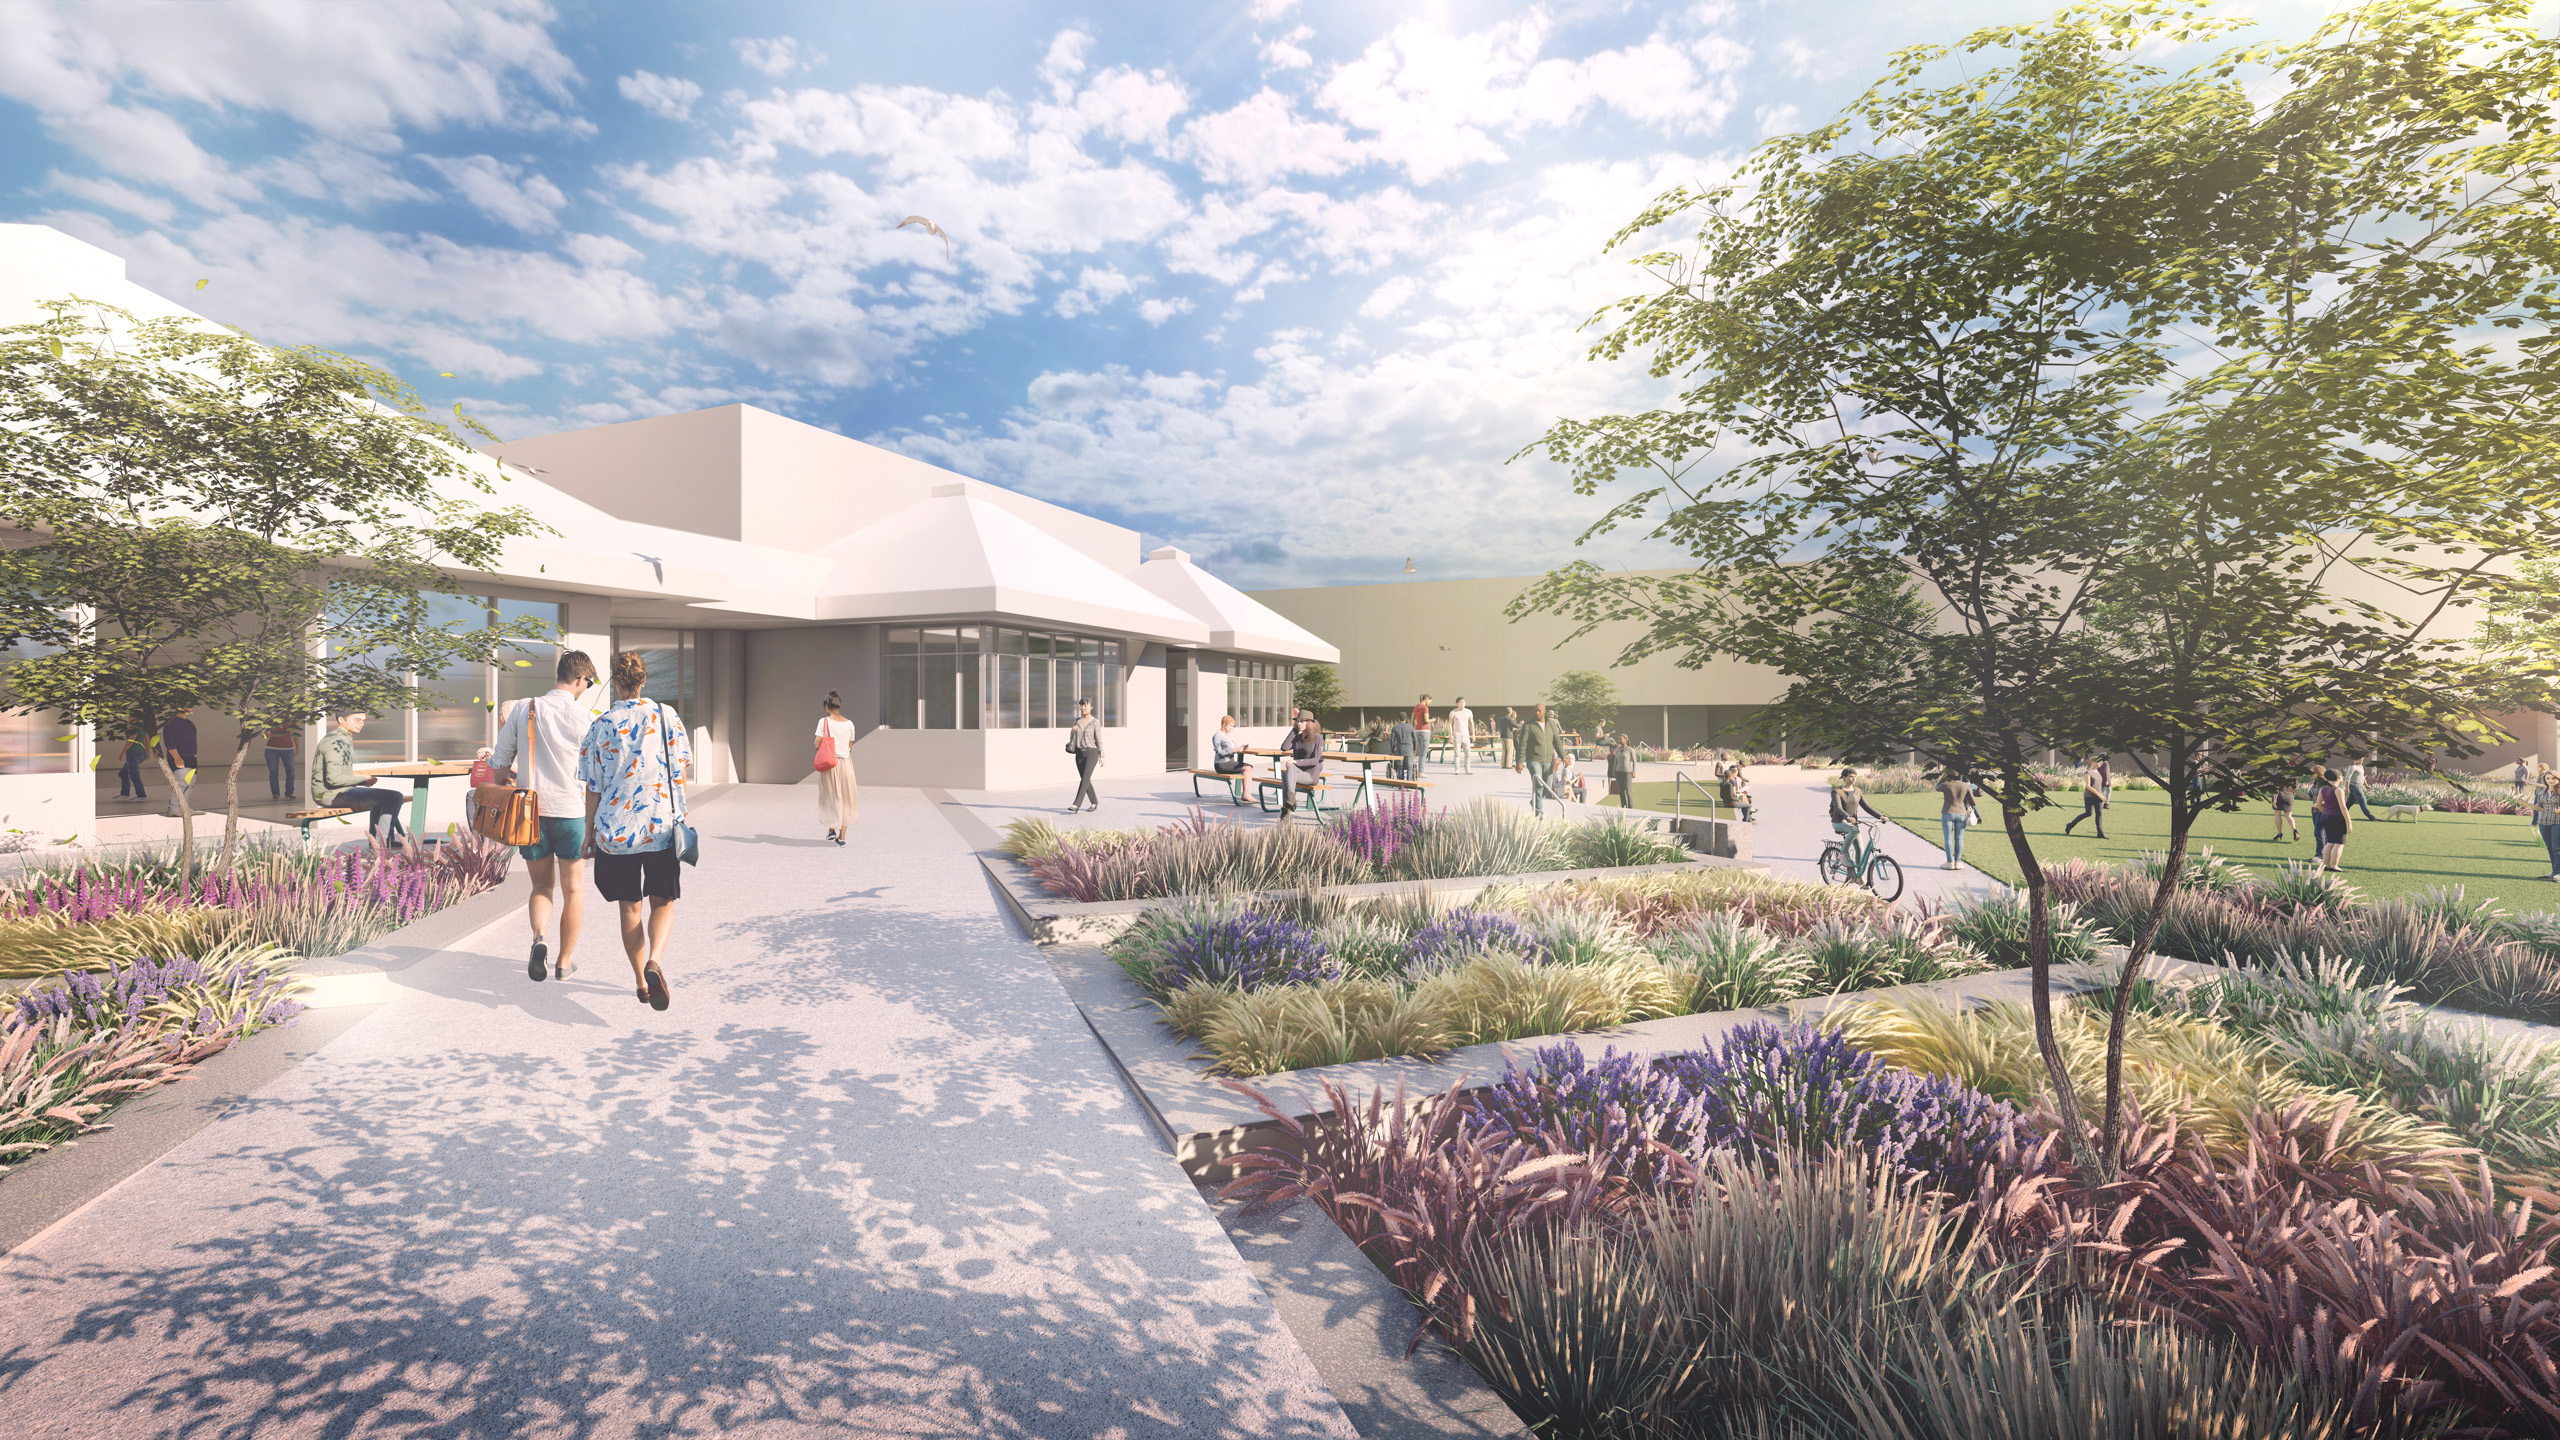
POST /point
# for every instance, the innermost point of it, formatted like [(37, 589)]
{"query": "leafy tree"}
[(227, 523), (1583, 701), (1318, 688), (1966, 360)]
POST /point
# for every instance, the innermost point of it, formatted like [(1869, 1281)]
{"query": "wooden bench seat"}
[(1266, 785), (1234, 783), (1393, 783), (307, 818)]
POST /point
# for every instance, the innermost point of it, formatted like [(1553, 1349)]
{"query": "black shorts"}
[(625, 878)]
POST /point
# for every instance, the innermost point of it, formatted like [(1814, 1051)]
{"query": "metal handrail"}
[(1680, 778)]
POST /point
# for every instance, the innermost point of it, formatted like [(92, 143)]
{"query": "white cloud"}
[(96, 73), (506, 193), (1387, 299), (99, 191), (1288, 52), (1440, 102), (1156, 312), (1265, 139), (661, 95), (1269, 10), (776, 57), (1093, 290)]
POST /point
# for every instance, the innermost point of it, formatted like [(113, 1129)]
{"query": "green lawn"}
[(2493, 857)]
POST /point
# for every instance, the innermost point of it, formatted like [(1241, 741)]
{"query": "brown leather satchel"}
[(510, 814)]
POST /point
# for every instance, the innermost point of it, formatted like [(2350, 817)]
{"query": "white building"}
[(760, 563)]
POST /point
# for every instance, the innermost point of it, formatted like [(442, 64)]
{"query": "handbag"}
[(826, 754), (681, 836), (509, 814)]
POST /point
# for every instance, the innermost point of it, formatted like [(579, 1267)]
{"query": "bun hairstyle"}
[(834, 705), (630, 672)]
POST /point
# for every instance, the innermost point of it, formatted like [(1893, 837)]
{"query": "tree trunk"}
[(171, 771), (231, 801), (2111, 1135), (2075, 1129)]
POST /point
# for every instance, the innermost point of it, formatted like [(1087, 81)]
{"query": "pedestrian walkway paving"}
[(1793, 823), (870, 1175)]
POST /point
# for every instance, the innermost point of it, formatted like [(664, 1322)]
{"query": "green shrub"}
[(1723, 964)]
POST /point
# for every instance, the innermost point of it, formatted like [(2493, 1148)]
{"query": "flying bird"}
[(930, 229), (1408, 564), (656, 565)]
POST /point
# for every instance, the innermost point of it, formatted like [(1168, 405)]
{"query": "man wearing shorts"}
[(633, 767), (540, 738)]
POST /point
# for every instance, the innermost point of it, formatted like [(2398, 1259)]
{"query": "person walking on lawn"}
[(2546, 817), (1541, 741), (2283, 802), (1955, 810), (1462, 736), (633, 767), (540, 738), (1622, 772), (2093, 798), (2329, 822), (2355, 789)]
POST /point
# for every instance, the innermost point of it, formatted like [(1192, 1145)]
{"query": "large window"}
[(1260, 692), (36, 744), (986, 677), (466, 696), (670, 657)]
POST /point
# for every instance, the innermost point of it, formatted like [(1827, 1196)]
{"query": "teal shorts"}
[(564, 837)]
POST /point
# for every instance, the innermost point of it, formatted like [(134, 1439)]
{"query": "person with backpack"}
[(838, 802), (633, 765)]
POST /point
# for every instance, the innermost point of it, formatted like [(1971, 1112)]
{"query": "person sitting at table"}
[(1375, 739), (1224, 756), (1305, 767), (336, 783)]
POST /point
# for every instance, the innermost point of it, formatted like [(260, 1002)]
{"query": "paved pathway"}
[(870, 1176)]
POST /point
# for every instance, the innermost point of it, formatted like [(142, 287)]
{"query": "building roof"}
[(960, 554), (1236, 620)]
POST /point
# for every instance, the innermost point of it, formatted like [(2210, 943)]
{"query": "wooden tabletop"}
[(417, 769)]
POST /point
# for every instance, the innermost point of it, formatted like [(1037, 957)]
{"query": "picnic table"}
[(418, 774), (1365, 795)]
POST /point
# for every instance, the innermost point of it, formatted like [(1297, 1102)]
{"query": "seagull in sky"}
[(930, 229), (656, 565)]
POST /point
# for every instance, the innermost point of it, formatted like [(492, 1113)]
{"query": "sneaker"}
[(534, 968)]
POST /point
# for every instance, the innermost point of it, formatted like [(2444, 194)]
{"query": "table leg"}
[(418, 808), (1364, 795)]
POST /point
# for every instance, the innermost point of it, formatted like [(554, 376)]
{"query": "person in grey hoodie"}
[(1085, 743), (1400, 744)]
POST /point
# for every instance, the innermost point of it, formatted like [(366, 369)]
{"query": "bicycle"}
[(1869, 866)]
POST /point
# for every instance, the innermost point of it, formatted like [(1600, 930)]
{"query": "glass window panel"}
[(940, 674), (973, 700), (1111, 688), (1036, 686), (1013, 642), (39, 743), (901, 697), (528, 669), (1009, 690), (669, 656), (941, 641)]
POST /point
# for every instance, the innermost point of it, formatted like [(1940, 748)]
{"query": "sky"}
[(1285, 283)]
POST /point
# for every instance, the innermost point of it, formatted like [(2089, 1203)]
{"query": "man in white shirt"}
[(557, 721), (1462, 736)]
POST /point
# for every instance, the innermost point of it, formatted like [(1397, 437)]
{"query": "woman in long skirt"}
[(837, 800)]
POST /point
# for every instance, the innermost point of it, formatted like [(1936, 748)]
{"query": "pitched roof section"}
[(1236, 620), (955, 554)]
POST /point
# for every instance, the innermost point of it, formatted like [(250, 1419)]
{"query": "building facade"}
[(760, 563)]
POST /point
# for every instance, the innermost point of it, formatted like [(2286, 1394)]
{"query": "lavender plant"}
[(1462, 936), (1250, 952)]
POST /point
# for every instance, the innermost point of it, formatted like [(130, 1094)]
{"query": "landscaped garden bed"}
[(1401, 840), (139, 974), (1286, 982), (2333, 1219)]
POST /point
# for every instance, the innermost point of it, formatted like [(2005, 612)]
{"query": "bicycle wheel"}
[(1833, 867), (1885, 878)]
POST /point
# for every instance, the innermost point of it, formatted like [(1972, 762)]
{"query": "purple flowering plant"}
[(1249, 951), (1378, 835), (1764, 1087), (1462, 935)]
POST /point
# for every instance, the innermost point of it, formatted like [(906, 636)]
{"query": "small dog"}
[(2401, 812)]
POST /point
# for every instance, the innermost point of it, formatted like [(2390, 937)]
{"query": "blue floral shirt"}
[(634, 759)]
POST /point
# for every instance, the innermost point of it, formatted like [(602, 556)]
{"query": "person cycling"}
[(1848, 806)]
